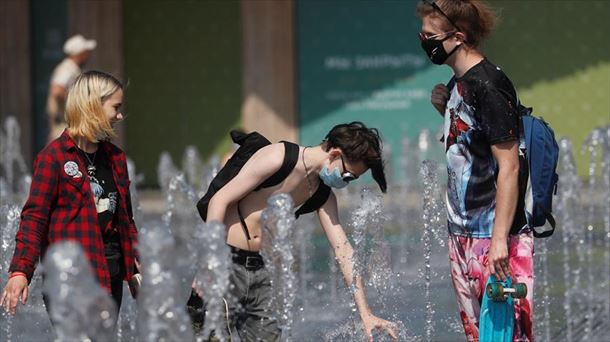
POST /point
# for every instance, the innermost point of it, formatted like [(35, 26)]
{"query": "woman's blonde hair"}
[(84, 113)]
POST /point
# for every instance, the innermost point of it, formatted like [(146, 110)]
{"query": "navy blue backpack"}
[(542, 153)]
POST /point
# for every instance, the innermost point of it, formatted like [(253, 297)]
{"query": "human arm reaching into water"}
[(329, 218)]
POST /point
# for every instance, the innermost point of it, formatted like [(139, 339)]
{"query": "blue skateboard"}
[(497, 310)]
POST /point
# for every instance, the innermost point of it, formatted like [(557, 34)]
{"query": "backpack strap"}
[(248, 143), (551, 220), (316, 201), (451, 83), (524, 111), (291, 156), (243, 222), (238, 136)]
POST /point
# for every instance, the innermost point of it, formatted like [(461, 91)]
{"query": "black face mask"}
[(435, 50)]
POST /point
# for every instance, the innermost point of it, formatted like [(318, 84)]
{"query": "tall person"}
[(486, 221)]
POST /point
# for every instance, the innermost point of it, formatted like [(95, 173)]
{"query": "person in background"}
[(77, 50)]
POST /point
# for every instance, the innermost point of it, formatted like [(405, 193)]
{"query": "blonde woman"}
[(80, 192)]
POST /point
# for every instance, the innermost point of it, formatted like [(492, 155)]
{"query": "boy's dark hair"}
[(359, 143)]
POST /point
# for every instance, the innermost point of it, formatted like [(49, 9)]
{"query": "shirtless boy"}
[(348, 151)]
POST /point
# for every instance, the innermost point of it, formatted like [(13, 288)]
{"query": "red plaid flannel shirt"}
[(61, 207)]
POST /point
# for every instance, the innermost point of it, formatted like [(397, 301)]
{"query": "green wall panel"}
[(558, 55), (369, 68), (183, 68), (183, 74)]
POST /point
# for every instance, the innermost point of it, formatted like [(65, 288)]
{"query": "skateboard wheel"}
[(520, 290), (495, 291)]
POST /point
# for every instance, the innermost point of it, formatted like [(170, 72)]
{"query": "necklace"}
[(307, 172), (91, 167)]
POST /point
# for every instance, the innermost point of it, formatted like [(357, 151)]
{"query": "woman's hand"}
[(197, 289), (136, 280), (497, 259), (372, 322), (16, 287), (134, 285)]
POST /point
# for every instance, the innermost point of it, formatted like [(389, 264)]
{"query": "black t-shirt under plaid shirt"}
[(482, 111), (106, 198), (104, 192)]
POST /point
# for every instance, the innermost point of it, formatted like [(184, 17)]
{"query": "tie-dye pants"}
[(468, 261)]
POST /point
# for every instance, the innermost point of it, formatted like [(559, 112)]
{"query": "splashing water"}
[(9, 223), (591, 145), (166, 169), (543, 321), (432, 213), (368, 208), (192, 166), (567, 204), (15, 179), (212, 278), (210, 171), (322, 306), (181, 200), (605, 173), (27, 316), (371, 260), (79, 308), (423, 144), (367, 224), (182, 218), (133, 191), (303, 236), (277, 248), (161, 307), (346, 332)]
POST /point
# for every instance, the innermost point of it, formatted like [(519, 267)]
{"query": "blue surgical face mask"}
[(332, 179)]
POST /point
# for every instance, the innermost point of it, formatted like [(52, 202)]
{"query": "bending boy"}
[(348, 151)]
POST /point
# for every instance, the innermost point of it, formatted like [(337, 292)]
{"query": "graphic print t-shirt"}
[(104, 191), (482, 111)]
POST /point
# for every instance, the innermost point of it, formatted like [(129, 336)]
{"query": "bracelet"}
[(15, 274)]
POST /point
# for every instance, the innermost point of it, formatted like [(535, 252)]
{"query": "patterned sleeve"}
[(499, 115), (34, 225)]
